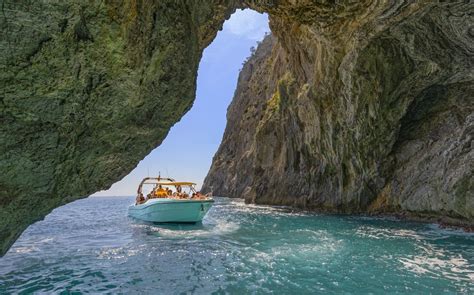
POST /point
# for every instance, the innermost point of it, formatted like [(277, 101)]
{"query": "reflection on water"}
[(92, 246)]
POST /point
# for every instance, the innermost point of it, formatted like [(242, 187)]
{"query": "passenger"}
[(160, 192), (140, 199), (178, 188), (169, 192), (193, 196), (200, 196)]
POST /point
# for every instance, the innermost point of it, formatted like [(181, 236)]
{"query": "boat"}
[(170, 201)]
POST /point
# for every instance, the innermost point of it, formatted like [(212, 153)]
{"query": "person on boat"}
[(140, 199), (169, 192), (200, 196), (178, 189), (160, 192)]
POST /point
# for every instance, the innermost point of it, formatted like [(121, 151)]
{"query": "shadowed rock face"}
[(87, 90), (350, 107)]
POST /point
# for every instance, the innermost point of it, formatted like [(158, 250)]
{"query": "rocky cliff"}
[(361, 110), (354, 106)]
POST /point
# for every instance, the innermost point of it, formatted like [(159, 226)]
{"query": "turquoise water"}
[(92, 246)]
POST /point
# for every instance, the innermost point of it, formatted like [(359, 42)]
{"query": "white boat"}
[(162, 204)]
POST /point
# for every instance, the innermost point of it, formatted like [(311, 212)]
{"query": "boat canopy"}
[(175, 183), (157, 179), (163, 181)]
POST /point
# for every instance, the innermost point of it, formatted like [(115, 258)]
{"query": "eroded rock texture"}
[(364, 107), (88, 88), (354, 106)]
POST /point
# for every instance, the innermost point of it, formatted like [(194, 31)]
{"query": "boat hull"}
[(171, 210)]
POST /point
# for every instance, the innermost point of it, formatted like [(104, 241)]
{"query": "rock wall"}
[(353, 104), (355, 109), (88, 89)]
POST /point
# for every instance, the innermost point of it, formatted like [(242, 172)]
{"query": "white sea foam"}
[(119, 252), (454, 268), (437, 262), (24, 250), (386, 233), (221, 228)]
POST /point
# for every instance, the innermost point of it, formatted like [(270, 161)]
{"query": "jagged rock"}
[(344, 115)]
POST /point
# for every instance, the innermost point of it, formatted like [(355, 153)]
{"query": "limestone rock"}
[(353, 106), (87, 90), (362, 108)]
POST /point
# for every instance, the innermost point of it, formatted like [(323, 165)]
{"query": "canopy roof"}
[(164, 181), (175, 183)]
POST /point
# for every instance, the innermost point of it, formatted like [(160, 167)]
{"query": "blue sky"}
[(186, 153)]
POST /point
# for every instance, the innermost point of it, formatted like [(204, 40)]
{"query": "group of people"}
[(160, 192)]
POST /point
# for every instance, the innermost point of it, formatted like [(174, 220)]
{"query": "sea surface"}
[(91, 246)]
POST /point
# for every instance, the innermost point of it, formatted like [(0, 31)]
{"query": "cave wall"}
[(362, 108), (88, 88)]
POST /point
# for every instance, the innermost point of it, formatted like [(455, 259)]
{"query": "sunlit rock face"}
[(364, 107), (353, 106)]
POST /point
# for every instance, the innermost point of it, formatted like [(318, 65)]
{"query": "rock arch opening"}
[(339, 84), (187, 151)]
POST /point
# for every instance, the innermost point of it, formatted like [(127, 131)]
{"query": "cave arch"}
[(68, 107)]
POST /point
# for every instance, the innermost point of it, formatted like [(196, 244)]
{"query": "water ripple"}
[(91, 246)]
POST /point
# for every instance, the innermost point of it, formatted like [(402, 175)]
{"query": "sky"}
[(186, 153)]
